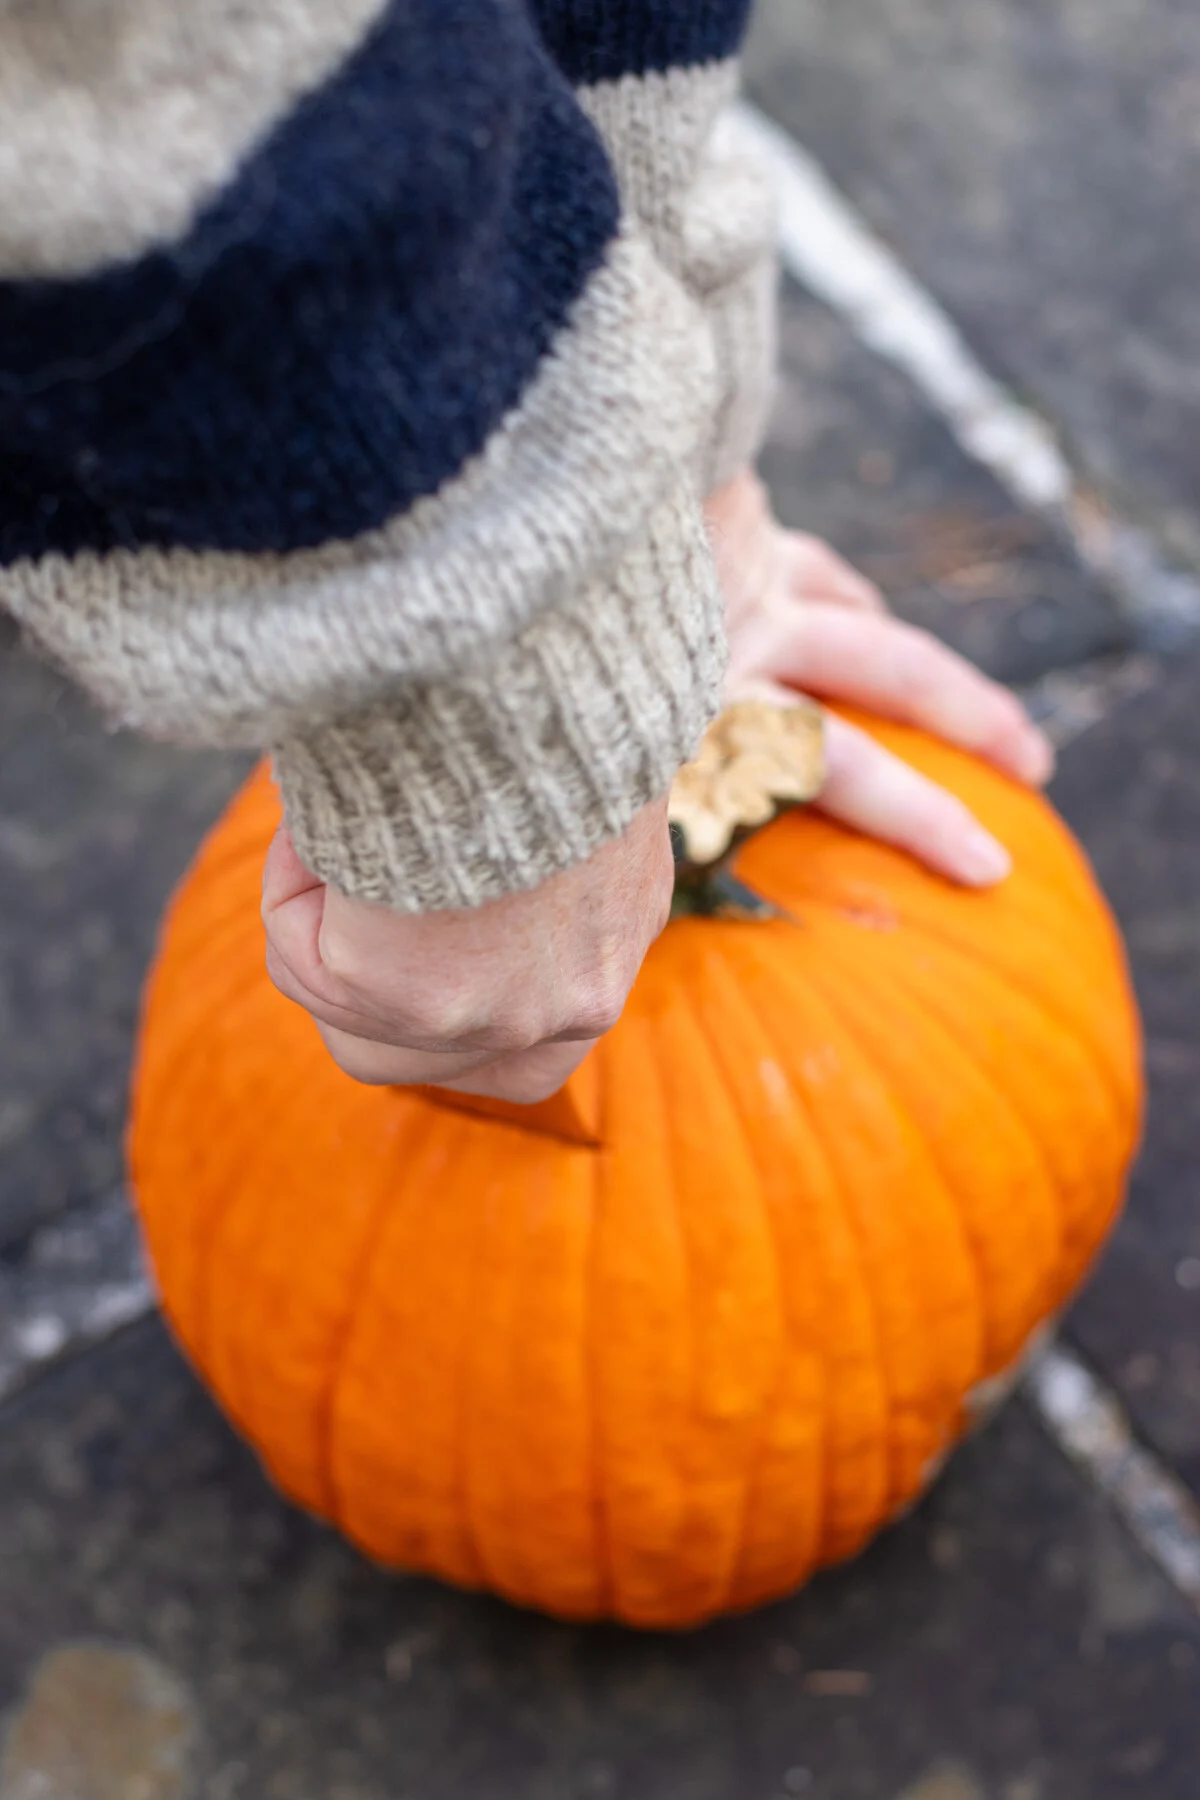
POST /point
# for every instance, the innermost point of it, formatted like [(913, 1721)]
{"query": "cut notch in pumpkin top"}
[(572, 1115)]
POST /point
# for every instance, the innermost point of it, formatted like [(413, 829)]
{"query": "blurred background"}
[(989, 398)]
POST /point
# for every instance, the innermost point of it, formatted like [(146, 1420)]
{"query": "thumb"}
[(284, 875), (293, 908)]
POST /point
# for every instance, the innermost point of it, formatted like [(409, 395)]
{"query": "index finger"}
[(872, 791)]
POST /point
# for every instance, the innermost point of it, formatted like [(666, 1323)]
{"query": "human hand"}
[(505, 999), (802, 619)]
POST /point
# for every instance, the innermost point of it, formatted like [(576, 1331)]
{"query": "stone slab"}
[(1006, 1642), (95, 828), (857, 457), (1131, 787), (100, 1722), (1036, 166)]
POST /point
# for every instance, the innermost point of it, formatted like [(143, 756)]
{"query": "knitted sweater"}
[(362, 366)]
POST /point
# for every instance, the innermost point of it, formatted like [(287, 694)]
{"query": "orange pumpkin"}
[(705, 1321)]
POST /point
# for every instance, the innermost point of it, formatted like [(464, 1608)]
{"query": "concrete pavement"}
[(169, 1629)]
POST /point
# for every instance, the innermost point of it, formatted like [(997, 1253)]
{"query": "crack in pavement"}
[(76, 1283), (1089, 1424)]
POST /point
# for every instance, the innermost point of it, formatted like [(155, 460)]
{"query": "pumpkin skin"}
[(711, 1317)]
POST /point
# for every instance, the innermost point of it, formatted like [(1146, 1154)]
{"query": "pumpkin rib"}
[(832, 943), (1031, 901), (332, 1396), (181, 1300), (903, 1413), (896, 972), (866, 1290), (278, 1214), (221, 1332), (188, 1005), (1124, 1130), (1051, 1021), (1052, 1017), (744, 1348), (949, 1211), (628, 1551), (160, 1067), (983, 1286), (594, 1338), (506, 1265), (473, 1536), (688, 1261), (391, 1310), (910, 904), (756, 1460), (1037, 997), (517, 1343), (210, 1223), (666, 1516), (466, 1380), (873, 1308), (931, 999), (553, 1357), (824, 1488), (766, 1416)]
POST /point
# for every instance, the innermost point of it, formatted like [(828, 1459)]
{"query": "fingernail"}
[(1036, 762), (982, 861)]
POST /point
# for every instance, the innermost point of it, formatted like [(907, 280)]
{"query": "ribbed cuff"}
[(455, 793)]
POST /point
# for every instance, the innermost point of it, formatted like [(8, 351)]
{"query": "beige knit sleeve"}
[(483, 691), (561, 598), (361, 424), (692, 176), (529, 758)]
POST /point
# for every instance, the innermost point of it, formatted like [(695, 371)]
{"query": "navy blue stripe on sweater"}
[(342, 329), (601, 40)]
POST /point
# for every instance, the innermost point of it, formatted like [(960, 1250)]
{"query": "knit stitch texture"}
[(362, 367)]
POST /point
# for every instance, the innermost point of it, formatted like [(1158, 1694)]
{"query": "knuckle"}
[(340, 959), (505, 1037), (437, 1021), (521, 1029), (598, 1006), (504, 1028), (431, 1017)]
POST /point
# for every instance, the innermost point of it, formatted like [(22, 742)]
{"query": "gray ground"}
[(168, 1628)]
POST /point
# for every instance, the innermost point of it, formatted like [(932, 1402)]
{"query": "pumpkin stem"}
[(757, 760), (717, 893)]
